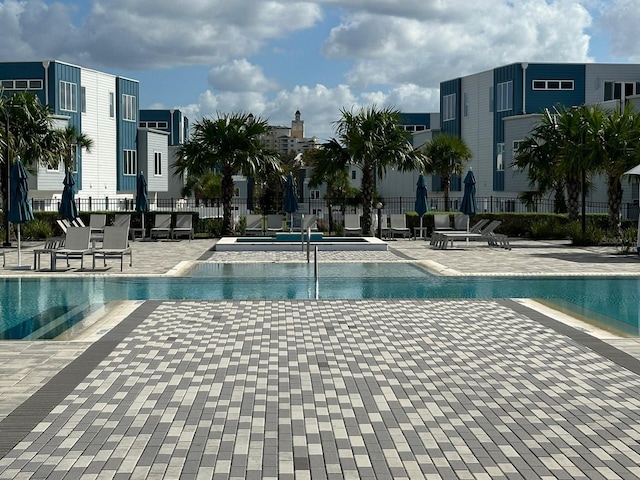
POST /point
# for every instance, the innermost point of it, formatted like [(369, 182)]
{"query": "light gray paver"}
[(341, 389)]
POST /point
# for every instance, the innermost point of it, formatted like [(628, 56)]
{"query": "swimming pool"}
[(37, 303)]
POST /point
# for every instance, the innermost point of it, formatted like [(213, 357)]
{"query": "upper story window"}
[(160, 125), (553, 84), (68, 96), (499, 157), (620, 90), (83, 99), (449, 107), (504, 96), (157, 163), (112, 104), (129, 110), (21, 84)]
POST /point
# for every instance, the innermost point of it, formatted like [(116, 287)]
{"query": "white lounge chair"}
[(461, 222), (274, 223), (162, 226), (184, 226), (398, 225), (253, 225), (122, 220), (77, 244), (352, 224), (114, 245)]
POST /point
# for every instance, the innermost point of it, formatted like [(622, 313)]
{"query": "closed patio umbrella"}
[(421, 199), (290, 198), (19, 206), (635, 171), (468, 206), (142, 197), (68, 208)]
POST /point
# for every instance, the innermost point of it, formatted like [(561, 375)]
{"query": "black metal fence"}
[(320, 207)]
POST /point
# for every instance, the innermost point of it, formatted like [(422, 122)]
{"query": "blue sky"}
[(273, 57)]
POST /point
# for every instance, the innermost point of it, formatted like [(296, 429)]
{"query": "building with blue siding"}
[(105, 108), (493, 110)]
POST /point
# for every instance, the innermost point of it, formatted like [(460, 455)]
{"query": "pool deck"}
[(482, 389)]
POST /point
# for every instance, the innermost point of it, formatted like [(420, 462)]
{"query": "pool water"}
[(47, 306)]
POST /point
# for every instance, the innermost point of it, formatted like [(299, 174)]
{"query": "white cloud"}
[(620, 21), (436, 44), (240, 76)]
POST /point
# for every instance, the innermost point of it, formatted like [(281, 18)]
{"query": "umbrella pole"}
[(142, 225), (19, 251)]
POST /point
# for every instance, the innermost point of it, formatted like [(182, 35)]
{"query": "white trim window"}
[(499, 157), (129, 110), (553, 84), (130, 162), (619, 90), (112, 105), (449, 107), (68, 96), (157, 164), (504, 96), (21, 84)]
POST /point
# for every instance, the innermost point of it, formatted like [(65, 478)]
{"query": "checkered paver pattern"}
[(341, 389)]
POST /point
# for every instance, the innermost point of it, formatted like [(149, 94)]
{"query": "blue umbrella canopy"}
[(19, 205), (290, 195), (142, 194), (421, 196), (469, 206), (68, 208)]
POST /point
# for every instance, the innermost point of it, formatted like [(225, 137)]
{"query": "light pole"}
[(379, 208)]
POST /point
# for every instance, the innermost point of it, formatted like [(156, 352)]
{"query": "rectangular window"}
[(516, 146), (491, 98), (129, 111), (68, 96), (353, 174), (500, 157), (52, 168), (553, 84), (466, 104), (449, 107), (83, 99), (21, 84), (504, 96), (619, 90), (112, 105), (315, 194), (130, 162), (157, 162), (163, 125)]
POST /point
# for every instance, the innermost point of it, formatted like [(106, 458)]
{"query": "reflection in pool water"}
[(32, 303)]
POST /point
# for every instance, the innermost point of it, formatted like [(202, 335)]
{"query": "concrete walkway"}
[(328, 389)]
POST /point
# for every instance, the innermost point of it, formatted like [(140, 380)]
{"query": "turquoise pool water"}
[(50, 305)]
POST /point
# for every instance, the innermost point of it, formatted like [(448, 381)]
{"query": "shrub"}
[(548, 228), (36, 229), (628, 240), (593, 234)]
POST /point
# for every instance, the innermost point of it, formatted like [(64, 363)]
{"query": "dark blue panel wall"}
[(24, 71), (127, 130), (450, 87), (165, 116), (538, 100)]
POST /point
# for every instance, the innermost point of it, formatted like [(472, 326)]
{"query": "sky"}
[(273, 57)]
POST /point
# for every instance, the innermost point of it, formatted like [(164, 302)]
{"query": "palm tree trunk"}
[(573, 194), (367, 198), (559, 201), (615, 204), (227, 197), (446, 184)]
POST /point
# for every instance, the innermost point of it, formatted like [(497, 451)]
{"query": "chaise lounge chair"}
[(398, 224), (274, 223), (253, 225), (184, 226), (352, 224), (162, 226), (114, 245), (443, 239), (77, 244), (97, 222)]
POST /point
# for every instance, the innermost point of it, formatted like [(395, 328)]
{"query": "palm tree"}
[(539, 153), (26, 131), (70, 140), (446, 154), (231, 144), (371, 140), (612, 146)]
